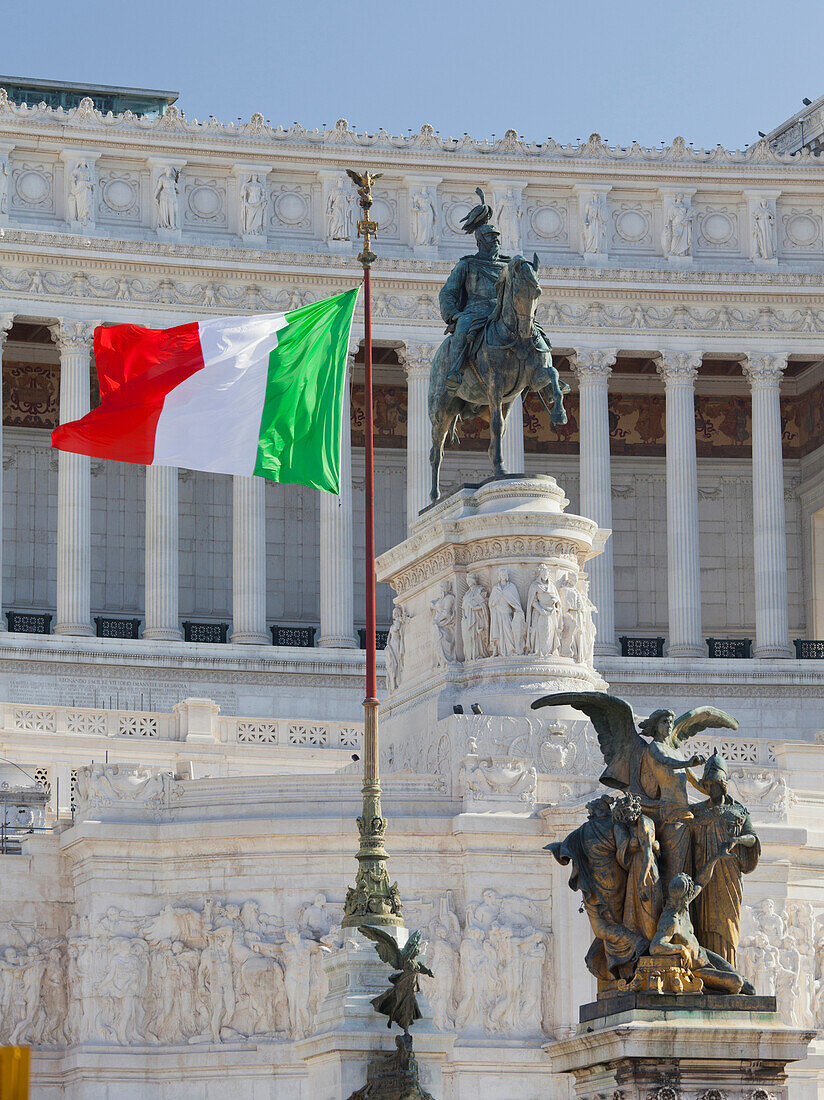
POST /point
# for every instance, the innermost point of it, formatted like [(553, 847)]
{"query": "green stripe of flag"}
[(300, 428)]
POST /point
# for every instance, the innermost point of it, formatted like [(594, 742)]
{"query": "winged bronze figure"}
[(363, 181), (399, 1003)]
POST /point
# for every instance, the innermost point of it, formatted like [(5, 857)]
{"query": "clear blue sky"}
[(710, 70)]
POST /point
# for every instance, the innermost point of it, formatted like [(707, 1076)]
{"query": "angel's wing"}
[(413, 946), (385, 945), (620, 742), (355, 177), (701, 718)]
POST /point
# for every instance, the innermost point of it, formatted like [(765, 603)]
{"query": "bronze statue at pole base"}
[(394, 1076)]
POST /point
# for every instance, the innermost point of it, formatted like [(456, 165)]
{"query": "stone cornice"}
[(87, 126)]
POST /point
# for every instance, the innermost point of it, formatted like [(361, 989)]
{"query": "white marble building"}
[(682, 290)]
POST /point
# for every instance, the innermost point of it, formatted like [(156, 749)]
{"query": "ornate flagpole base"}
[(374, 899)]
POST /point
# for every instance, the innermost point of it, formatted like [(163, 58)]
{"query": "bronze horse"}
[(504, 360)]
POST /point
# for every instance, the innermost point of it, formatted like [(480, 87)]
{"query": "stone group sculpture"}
[(661, 878)]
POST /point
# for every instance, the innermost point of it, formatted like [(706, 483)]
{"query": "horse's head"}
[(518, 291)]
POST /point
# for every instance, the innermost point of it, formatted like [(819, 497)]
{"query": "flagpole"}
[(373, 900)]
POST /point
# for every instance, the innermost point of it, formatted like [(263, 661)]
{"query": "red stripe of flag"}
[(136, 368)]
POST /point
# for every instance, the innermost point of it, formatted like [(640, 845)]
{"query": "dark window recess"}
[(381, 638), (116, 628), (806, 649), (641, 647), (205, 632), (29, 622), (303, 636), (730, 647)]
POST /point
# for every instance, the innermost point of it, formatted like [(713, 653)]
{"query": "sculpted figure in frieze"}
[(676, 238), (507, 622), (443, 625), (495, 349), (763, 231), (660, 876), (421, 218), (339, 212), (474, 619), (165, 197), (253, 205), (4, 187), (594, 225), (573, 625), (81, 194), (509, 220)]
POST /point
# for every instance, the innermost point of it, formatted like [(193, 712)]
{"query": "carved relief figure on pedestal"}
[(763, 231), (421, 218), (543, 610), (395, 647), (81, 194), (442, 957), (443, 609), (165, 197), (573, 611), (4, 187), (507, 622), (676, 238), (339, 212), (253, 203), (474, 620)]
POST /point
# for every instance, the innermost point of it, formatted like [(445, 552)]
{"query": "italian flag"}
[(261, 394)]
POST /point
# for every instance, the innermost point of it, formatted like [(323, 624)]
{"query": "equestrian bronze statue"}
[(495, 350)]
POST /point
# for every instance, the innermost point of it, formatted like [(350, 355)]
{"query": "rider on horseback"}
[(468, 296)]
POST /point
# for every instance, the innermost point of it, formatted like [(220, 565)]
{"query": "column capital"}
[(6, 321), (764, 370), (73, 336), (678, 368), (594, 364), (416, 359)]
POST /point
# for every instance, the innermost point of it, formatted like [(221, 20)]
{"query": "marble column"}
[(678, 371), (161, 569), (337, 597), (249, 561), (512, 446), (74, 338), (6, 321), (593, 367), (417, 359), (772, 630)]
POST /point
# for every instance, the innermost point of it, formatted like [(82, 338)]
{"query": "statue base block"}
[(646, 1046), (394, 1076)]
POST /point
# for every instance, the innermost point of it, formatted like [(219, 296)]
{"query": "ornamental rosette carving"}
[(764, 371), (73, 337), (678, 368)]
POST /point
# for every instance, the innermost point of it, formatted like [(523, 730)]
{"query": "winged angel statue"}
[(399, 1003), (635, 857)]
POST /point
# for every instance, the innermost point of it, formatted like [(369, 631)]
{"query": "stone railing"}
[(190, 720)]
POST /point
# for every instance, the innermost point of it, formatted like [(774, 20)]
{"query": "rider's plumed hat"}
[(478, 215)]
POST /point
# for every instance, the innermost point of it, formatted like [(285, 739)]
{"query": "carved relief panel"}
[(546, 224), (631, 223), (717, 226), (454, 206), (32, 190), (291, 209), (800, 228), (118, 195), (204, 202), (385, 213)]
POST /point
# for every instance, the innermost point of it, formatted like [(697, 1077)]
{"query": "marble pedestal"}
[(519, 525), (349, 1033), (694, 1047)]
